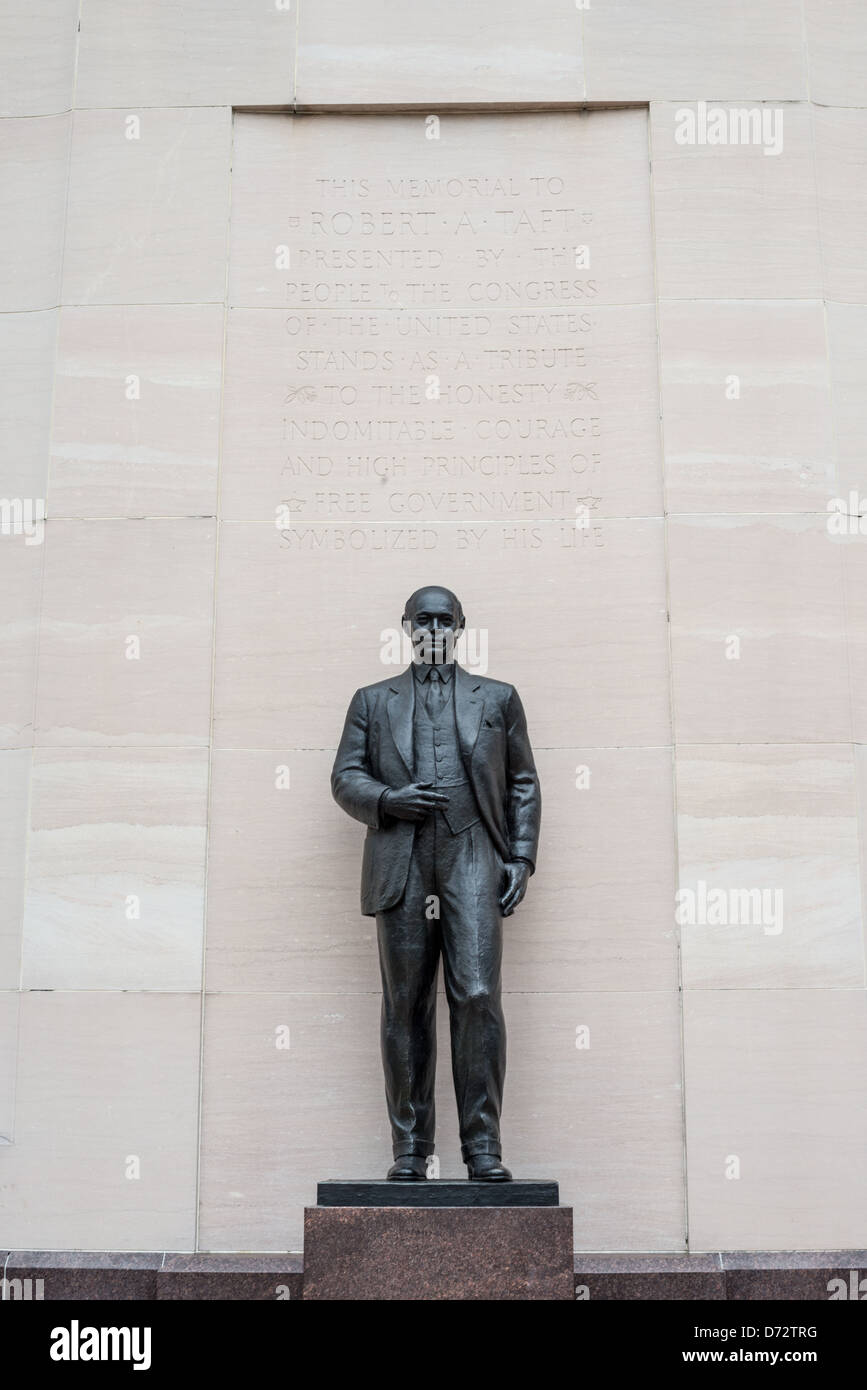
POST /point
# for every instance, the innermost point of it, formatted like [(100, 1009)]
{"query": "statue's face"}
[(434, 622)]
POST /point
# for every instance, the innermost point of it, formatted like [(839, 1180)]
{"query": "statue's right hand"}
[(413, 802)]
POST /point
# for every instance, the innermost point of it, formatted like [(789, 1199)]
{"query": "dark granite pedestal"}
[(438, 1240)]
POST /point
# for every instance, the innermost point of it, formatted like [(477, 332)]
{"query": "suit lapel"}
[(401, 703), (469, 708)]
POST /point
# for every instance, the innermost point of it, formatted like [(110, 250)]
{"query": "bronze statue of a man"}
[(437, 764)]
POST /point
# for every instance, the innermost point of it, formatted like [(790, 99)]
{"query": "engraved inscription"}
[(454, 346)]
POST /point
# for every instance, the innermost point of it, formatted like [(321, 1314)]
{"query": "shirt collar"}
[(422, 669)]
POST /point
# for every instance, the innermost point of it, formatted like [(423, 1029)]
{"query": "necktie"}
[(435, 694)]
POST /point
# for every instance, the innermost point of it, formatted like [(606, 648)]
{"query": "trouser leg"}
[(409, 957), (470, 877)]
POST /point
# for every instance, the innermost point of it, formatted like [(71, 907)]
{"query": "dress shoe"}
[(408, 1168), (487, 1168)]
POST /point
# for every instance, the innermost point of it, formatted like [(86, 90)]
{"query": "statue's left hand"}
[(517, 878)]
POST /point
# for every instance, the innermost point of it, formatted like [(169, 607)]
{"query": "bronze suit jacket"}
[(376, 752)]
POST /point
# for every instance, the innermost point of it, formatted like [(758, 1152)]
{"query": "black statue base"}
[(436, 1240), (437, 1192)]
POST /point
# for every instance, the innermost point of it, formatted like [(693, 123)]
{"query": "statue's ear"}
[(406, 624)]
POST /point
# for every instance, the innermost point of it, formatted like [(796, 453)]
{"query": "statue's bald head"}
[(433, 598), (434, 619)]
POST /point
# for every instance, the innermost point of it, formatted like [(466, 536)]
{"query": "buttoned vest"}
[(437, 757)]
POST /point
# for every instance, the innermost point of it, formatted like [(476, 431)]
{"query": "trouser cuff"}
[(413, 1146), (481, 1146)]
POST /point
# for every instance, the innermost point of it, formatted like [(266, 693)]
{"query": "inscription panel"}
[(441, 320)]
